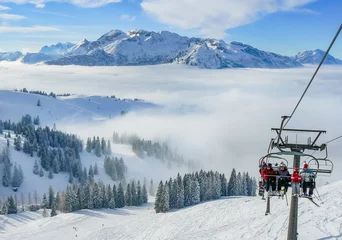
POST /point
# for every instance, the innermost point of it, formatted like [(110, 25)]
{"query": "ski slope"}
[(65, 110), (226, 218)]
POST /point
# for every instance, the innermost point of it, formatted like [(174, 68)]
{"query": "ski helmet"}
[(306, 166)]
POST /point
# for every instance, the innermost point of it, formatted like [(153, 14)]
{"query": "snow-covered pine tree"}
[(166, 200), (158, 204), (16, 177), (41, 172), (103, 196), (98, 148), (144, 194), (7, 177), (71, 178), (112, 203), (50, 176), (88, 145), (223, 185), (134, 194), (96, 170), (4, 209), (51, 197), (109, 194), (139, 198), (21, 175), (91, 174), (195, 192), (109, 148), (103, 146), (187, 190), (57, 200), (121, 197), (173, 194), (44, 201), (239, 184), (53, 209), (17, 143), (244, 185), (232, 185), (86, 196), (96, 196), (128, 196), (180, 192)]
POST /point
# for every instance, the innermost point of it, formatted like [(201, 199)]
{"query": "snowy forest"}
[(158, 150), (58, 152), (92, 195), (197, 187)]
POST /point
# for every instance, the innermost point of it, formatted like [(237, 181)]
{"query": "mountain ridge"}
[(141, 47)]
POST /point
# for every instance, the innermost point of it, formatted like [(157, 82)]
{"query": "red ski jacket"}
[(296, 177), (266, 172)]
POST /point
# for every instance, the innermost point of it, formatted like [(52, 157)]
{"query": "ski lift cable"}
[(314, 75), (334, 139)]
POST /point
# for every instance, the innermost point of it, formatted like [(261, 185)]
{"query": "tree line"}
[(94, 195), (98, 147), (197, 187)]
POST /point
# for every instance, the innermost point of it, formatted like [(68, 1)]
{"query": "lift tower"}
[(297, 150)]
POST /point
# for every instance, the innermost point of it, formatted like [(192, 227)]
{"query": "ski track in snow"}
[(226, 218)]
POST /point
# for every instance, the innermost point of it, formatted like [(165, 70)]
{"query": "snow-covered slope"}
[(315, 57), (13, 105), (140, 47), (227, 218), (10, 56), (32, 58)]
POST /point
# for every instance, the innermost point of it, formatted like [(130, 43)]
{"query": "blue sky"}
[(281, 26)]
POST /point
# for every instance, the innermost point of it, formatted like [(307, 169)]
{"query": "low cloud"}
[(214, 18), (222, 117)]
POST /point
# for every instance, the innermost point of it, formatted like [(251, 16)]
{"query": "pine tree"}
[(91, 174), (223, 185), (88, 145), (120, 197), (134, 194), (17, 143), (195, 192), (22, 200), (12, 207), (71, 178), (144, 194), (139, 198), (109, 195), (4, 209), (158, 204), (98, 148), (44, 201), (166, 201), (50, 174), (53, 209), (16, 177), (96, 171), (41, 172), (180, 192), (244, 185), (187, 190), (96, 196), (232, 185), (239, 184), (128, 196), (51, 197), (57, 200), (38, 103), (109, 148), (103, 146)]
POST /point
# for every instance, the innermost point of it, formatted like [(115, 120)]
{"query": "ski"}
[(311, 200)]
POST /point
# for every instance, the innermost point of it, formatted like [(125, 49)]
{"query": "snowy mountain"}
[(10, 56), (58, 49), (32, 58), (315, 57), (226, 218), (140, 47)]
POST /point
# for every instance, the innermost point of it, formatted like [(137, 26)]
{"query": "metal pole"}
[(293, 218)]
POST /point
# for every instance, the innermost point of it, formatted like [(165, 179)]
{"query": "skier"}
[(308, 180), (269, 176), (296, 179), (284, 178)]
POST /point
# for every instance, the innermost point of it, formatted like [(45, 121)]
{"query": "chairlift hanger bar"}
[(298, 130)]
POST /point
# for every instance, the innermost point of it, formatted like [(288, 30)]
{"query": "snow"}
[(226, 218), (315, 57)]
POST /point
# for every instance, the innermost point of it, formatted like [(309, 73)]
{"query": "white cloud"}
[(6, 16), (80, 3), (212, 18), (126, 17), (4, 8), (28, 29)]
